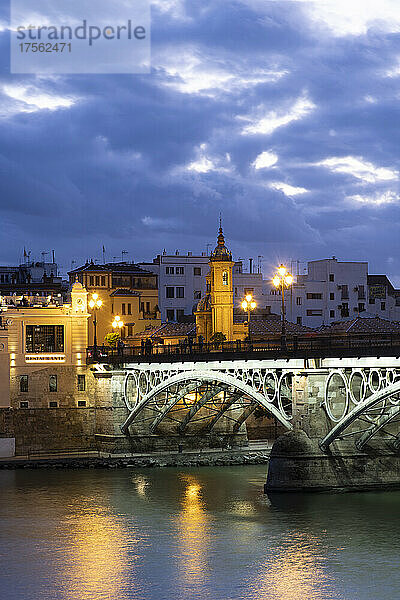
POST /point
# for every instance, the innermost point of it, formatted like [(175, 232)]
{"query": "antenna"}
[(122, 253), (220, 220), (260, 257)]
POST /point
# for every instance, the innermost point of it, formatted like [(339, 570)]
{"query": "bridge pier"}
[(298, 465), (298, 462)]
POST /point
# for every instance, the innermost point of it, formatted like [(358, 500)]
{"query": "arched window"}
[(225, 278)]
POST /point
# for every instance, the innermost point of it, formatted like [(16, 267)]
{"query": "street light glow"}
[(117, 322), (289, 279), (276, 281), (282, 270)]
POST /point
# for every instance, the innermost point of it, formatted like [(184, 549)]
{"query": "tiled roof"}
[(129, 268), (262, 328), (124, 292), (169, 330), (361, 325), (273, 326)]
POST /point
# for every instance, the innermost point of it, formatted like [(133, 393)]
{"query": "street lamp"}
[(281, 280), (117, 324), (249, 304), (95, 303)]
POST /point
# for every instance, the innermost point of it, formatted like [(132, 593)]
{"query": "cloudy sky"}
[(283, 115)]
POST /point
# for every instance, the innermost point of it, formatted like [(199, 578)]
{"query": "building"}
[(43, 353), (126, 290), (383, 298), (214, 314), (181, 282), (31, 279), (247, 283), (333, 290)]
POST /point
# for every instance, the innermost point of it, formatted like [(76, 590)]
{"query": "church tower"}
[(221, 288)]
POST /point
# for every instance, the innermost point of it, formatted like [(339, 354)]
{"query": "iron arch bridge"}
[(357, 400), (204, 400), (362, 405)]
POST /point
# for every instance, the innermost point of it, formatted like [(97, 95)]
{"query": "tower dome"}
[(221, 252)]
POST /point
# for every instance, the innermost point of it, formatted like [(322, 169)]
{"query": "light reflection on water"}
[(192, 533)]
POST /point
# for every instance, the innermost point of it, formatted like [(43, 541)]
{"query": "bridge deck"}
[(301, 347)]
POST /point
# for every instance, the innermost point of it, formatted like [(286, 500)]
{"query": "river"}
[(206, 533)]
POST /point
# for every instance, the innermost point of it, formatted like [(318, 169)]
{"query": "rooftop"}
[(120, 268), (361, 325)]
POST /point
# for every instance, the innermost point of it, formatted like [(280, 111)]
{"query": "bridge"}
[(336, 389)]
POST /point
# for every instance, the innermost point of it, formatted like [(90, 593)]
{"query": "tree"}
[(218, 338), (111, 339)]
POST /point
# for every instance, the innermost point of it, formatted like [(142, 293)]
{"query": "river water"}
[(207, 533)]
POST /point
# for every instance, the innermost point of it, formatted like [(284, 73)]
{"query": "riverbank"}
[(99, 460)]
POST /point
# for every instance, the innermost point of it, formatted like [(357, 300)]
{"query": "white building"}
[(333, 291), (181, 282)]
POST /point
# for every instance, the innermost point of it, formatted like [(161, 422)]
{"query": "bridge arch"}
[(189, 377), (363, 411)]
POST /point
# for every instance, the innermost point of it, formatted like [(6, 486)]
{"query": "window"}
[(81, 403), (45, 338), (169, 270), (147, 307), (91, 280), (332, 314), (331, 296), (361, 292), (314, 313), (130, 330), (197, 294), (345, 310), (81, 383), (170, 292), (170, 314), (53, 383), (383, 305), (180, 292), (197, 271), (123, 308), (345, 292), (299, 320), (331, 277), (361, 307), (97, 279), (372, 300), (129, 309), (180, 270), (53, 404), (23, 383), (103, 280), (314, 296), (179, 313), (24, 404), (225, 278), (298, 301)]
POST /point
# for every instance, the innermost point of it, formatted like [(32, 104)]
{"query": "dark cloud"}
[(147, 162)]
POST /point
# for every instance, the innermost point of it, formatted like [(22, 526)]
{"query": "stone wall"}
[(297, 464)]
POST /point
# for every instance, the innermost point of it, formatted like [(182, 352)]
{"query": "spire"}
[(221, 252)]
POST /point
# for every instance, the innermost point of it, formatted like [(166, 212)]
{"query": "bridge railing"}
[(295, 346)]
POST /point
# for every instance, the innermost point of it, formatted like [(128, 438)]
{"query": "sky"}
[(283, 116)]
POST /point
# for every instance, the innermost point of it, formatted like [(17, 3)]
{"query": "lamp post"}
[(249, 304), (95, 303), (281, 280)]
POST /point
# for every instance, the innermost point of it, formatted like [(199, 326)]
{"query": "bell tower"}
[(221, 284)]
